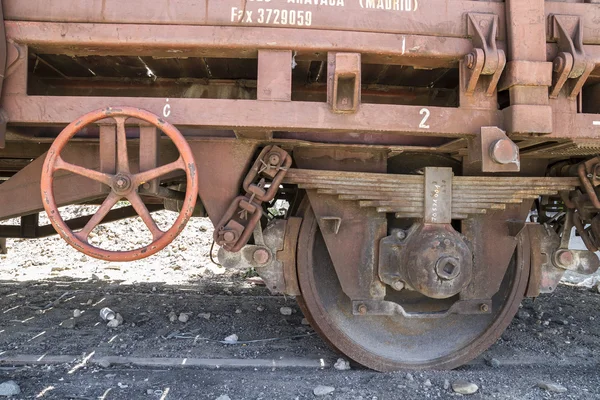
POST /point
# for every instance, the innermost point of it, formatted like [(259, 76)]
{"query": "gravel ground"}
[(44, 283)]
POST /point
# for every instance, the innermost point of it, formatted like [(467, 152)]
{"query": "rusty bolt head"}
[(121, 183), (559, 64), (504, 151), (484, 307), (447, 268), (274, 159), (470, 60), (398, 285), (261, 256), (362, 309), (563, 258), (400, 234), (229, 236)]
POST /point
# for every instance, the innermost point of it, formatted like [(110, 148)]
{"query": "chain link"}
[(243, 215)]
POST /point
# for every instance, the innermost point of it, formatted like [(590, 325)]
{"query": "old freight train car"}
[(432, 156)]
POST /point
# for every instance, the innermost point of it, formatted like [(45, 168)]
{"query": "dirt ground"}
[(51, 354)]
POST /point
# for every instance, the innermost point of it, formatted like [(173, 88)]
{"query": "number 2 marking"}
[(427, 113)]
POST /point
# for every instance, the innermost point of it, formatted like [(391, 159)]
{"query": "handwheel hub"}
[(122, 184)]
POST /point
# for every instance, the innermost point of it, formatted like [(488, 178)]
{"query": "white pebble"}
[(206, 316), (183, 317), (286, 310), (552, 387), (113, 323), (323, 390), (463, 387), (231, 339), (172, 316), (342, 365)]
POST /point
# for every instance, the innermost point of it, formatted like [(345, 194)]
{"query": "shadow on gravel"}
[(171, 336)]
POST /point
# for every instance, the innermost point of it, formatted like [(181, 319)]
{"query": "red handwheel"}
[(123, 184)]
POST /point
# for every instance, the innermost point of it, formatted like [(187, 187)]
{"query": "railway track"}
[(150, 357)]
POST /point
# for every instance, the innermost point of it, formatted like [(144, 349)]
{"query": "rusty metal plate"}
[(438, 195), (274, 80)]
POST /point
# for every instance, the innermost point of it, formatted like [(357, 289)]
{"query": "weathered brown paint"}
[(523, 48)]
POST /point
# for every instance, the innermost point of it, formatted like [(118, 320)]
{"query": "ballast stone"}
[(9, 388)]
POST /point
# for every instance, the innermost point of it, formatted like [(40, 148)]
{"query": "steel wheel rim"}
[(317, 304)]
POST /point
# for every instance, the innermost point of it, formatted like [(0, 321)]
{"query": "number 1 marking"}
[(427, 113)]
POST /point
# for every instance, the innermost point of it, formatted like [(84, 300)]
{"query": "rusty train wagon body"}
[(408, 169)]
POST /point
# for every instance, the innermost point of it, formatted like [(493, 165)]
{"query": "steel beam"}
[(430, 17), (272, 115), (241, 42)]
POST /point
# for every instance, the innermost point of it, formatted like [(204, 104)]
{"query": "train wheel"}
[(387, 343), (122, 184)]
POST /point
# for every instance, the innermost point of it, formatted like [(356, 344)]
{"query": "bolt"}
[(229, 236), (484, 307), (261, 256), (504, 151), (564, 258), (362, 309), (274, 159), (470, 60), (121, 183), (146, 186), (400, 234), (558, 64), (398, 285)]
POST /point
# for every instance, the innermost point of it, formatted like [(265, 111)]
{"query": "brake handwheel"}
[(123, 184)]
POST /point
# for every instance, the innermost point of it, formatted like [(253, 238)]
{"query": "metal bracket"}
[(273, 255), (383, 307), (550, 258), (485, 59), (571, 62), (343, 82), (494, 151)]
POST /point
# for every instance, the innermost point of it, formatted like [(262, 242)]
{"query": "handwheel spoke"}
[(78, 170), (154, 173), (139, 206), (122, 156), (97, 218)]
